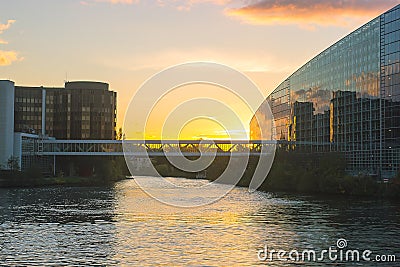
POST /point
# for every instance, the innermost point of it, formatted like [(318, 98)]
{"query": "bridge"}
[(29, 149), (52, 147)]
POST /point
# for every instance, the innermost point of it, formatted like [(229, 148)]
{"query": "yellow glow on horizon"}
[(203, 129), (193, 112)]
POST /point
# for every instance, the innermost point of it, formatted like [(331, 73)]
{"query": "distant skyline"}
[(124, 42)]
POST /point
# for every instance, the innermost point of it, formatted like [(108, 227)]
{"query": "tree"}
[(13, 163), (120, 134)]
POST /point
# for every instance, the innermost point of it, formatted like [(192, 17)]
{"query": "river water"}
[(122, 226)]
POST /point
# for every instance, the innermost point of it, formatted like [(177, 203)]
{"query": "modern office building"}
[(346, 99), (78, 111), (81, 110)]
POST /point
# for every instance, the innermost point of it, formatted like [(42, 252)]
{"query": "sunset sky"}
[(124, 42)]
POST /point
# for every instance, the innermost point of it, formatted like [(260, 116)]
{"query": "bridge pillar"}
[(71, 168), (54, 165)]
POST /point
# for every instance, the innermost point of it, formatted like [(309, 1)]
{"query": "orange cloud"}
[(194, 2), (179, 4), (310, 13), (305, 13), (8, 57), (186, 5), (128, 2), (4, 27)]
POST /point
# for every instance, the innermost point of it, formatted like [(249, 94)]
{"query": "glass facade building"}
[(345, 99)]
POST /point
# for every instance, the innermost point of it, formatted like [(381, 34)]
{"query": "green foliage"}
[(106, 170), (33, 173), (103, 169), (163, 170), (322, 173), (120, 134), (13, 163), (109, 170)]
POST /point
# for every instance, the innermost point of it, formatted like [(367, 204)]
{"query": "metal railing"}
[(150, 147)]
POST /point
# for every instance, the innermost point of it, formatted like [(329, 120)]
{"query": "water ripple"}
[(122, 226)]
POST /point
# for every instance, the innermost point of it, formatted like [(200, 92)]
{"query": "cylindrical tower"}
[(6, 121)]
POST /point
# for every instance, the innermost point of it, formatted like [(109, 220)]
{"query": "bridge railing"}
[(149, 147)]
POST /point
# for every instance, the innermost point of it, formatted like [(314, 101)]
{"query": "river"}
[(122, 226)]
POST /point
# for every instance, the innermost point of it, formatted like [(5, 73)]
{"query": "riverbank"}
[(301, 173), (292, 172), (323, 173), (20, 180), (77, 172)]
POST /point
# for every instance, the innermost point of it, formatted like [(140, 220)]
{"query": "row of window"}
[(391, 37), (28, 100), (392, 15), (392, 26)]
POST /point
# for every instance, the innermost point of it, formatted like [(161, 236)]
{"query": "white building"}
[(6, 121)]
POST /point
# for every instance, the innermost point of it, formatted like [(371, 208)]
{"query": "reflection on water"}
[(123, 226)]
